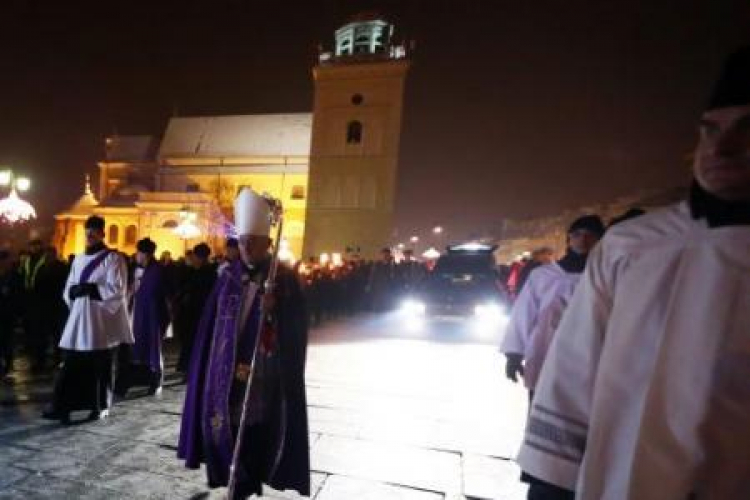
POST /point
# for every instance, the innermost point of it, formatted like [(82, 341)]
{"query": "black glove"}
[(514, 366), (84, 290), (74, 292), (91, 290)]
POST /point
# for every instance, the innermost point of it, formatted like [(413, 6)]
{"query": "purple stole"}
[(226, 350), (92, 265)]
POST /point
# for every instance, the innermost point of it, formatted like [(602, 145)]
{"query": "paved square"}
[(407, 416)]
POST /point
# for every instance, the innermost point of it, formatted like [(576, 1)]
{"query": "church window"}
[(298, 192), (131, 235), (170, 224), (354, 132), (357, 99), (113, 235), (362, 44), (346, 46)]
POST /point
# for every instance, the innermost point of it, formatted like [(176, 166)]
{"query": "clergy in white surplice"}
[(538, 309), (645, 393), (98, 323)]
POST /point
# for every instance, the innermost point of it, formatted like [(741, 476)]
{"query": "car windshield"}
[(466, 270)]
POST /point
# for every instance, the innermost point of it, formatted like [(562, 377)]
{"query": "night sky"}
[(513, 109)]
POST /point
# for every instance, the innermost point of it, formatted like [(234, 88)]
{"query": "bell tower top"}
[(365, 37)]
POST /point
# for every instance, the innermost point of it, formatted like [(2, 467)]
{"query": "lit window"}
[(113, 235), (354, 132), (131, 235), (298, 192)]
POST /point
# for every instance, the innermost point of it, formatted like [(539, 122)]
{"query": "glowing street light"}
[(414, 239), (13, 209), (437, 230), (23, 183)]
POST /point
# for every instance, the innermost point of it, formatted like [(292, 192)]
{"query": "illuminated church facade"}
[(333, 169)]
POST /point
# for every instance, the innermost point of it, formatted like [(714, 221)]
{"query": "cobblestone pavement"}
[(393, 416)]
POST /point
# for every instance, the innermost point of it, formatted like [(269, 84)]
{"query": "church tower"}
[(356, 132)]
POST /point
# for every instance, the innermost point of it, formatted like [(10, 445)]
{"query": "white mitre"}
[(251, 214)]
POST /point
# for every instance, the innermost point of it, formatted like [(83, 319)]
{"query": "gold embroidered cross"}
[(216, 422)]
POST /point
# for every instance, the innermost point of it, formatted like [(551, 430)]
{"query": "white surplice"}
[(645, 394), (98, 324), (535, 316)]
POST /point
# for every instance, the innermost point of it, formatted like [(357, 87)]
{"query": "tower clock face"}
[(357, 99)]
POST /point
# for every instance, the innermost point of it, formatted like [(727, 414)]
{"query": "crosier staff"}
[(277, 219)]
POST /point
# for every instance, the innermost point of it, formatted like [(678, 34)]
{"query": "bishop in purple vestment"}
[(275, 449)]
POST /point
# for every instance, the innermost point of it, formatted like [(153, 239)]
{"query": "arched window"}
[(354, 132), (170, 224), (113, 235), (131, 235)]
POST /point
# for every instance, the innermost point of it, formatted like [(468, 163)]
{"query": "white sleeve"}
[(523, 318), (69, 283), (557, 427), (114, 287)]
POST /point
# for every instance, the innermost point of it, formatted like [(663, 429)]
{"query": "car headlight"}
[(413, 307), (489, 311)]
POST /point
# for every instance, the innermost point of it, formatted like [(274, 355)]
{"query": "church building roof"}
[(86, 203), (243, 135), (133, 148)]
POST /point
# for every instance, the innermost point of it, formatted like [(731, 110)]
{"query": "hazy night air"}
[(511, 110)]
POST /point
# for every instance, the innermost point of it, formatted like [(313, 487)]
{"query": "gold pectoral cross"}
[(216, 422)]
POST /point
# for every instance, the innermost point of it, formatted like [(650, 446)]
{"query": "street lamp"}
[(23, 184), (414, 239), (12, 208), (437, 230)]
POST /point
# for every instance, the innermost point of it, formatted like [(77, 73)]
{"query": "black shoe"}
[(51, 415), (63, 417)]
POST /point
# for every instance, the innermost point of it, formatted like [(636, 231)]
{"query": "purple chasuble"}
[(206, 433), (227, 350)]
